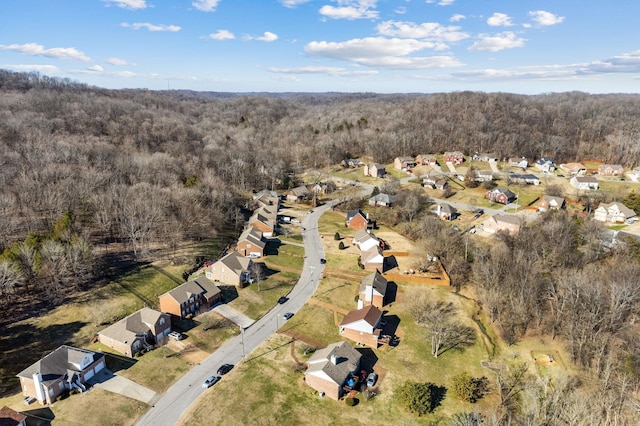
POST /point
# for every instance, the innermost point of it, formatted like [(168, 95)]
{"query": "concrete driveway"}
[(111, 382), (234, 316)]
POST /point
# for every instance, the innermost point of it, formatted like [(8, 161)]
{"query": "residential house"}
[(365, 240), (545, 165), (10, 417), (426, 160), (549, 202), (573, 169), (610, 170), (265, 219), (446, 211), (266, 198), (404, 163), (483, 157), (500, 195), (352, 163), (501, 222), (615, 213), (298, 194), (373, 289), (483, 175), (442, 184), (145, 329), (357, 220), (232, 269), (584, 182), (250, 243), (519, 162), (429, 181), (384, 200), (374, 170), (362, 326), (191, 298), (634, 175), (524, 178), (329, 369), (372, 259), (454, 157), (59, 371)]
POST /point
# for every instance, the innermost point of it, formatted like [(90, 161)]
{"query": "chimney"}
[(439, 209), (334, 359), (37, 382)]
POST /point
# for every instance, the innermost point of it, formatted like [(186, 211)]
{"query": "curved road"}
[(179, 397)]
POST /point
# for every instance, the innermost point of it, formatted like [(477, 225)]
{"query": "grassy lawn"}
[(338, 292)]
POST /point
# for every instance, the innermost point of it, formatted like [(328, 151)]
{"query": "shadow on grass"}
[(391, 293), (39, 416)]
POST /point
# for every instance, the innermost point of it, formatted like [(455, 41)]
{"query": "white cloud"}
[(351, 9), (381, 52), (542, 18), (495, 43), (625, 63), (95, 68), (445, 2), (401, 10), (428, 30), (127, 4), (45, 69), (293, 3), (117, 61), (151, 27), (500, 20), (332, 71), (206, 5), (35, 49), (221, 35), (267, 36), (457, 17)]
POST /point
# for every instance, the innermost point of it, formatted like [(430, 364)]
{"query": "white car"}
[(175, 335), (212, 380), (253, 255)]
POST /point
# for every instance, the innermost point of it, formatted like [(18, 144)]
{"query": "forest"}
[(90, 176)]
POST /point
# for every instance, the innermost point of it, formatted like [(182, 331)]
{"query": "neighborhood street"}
[(177, 399)]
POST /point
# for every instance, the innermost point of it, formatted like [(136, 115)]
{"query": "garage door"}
[(89, 374), (99, 367)]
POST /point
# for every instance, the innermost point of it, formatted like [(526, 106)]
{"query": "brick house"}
[(374, 170), (265, 219), (403, 163), (329, 369), (454, 157), (59, 371), (362, 326), (483, 156), (373, 289), (357, 220), (9, 417), (144, 329), (610, 170), (232, 269), (250, 242), (372, 259), (549, 202), (500, 195), (191, 298), (426, 160), (501, 222)]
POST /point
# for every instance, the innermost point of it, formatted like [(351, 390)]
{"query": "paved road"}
[(179, 397)]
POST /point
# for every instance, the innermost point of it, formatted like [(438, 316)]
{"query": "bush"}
[(341, 245), (337, 236), (467, 388), (419, 398), (350, 401)]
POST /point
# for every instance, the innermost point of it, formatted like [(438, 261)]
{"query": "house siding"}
[(329, 388)]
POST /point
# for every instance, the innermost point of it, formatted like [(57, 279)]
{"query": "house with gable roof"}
[(356, 219), (362, 326), (373, 289), (381, 199), (545, 164), (191, 298), (59, 371), (614, 213), (232, 269), (10, 417), (250, 243), (500, 195), (374, 170), (145, 329), (503, 222), (584, 182), (265, 219), (610, 170), (330, 368), (403, 163), (426, 160), (365, 240), (550, 202), (453, 157), (298, 193)]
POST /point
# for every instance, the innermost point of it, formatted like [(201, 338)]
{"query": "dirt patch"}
[(187, 351)]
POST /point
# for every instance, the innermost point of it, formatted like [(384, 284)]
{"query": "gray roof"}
[(64, 360), (254, 235), (140, 322), (201, 285), (505, 218), (585, 179), (448, 209), (236, 262), (626, 211), (375, 280), (550, 198), (347, 361), (382, 198)]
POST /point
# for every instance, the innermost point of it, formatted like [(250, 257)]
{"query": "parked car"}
[(211, 380), (176, 335), (288, 315), (224, 369), (371, 380), (478, 214), (28, 400), (253, 255), (282, 300), (323, 261)]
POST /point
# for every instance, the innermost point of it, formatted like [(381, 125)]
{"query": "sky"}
[(379, 46)]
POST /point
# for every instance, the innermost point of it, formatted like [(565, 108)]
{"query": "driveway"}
[(111, 382), (234, 316)]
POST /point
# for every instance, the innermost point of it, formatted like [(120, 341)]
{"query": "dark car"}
[(224, 369), (282, 300), (212, 380), (323, 261), (478, 214), (288, 315)]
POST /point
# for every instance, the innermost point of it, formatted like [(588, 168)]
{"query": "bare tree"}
[(10, 277)]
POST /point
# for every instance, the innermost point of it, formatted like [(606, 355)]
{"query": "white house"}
[(614, 212), (584, 182)]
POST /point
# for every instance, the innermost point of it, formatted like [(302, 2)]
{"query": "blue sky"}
[(383, 46)]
